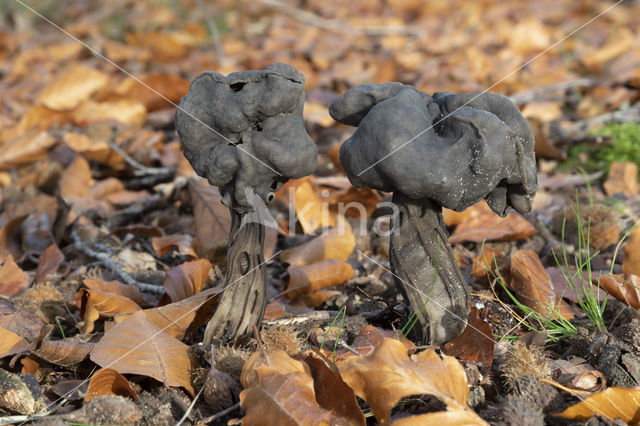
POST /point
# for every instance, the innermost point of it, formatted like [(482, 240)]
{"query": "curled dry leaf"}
[(138, 346), (65, 352), (486, 261), (72, 86), (274, 310), (116, 287), (623, 178), (624, 287), (312, 213), (316, 298), (533, 285), (491, 227), (107, 381), (452, 217), (613, 403), (369, 338), (337, 243), (317, 276), (183, 242), (13, 280), (279, 390), (97, 150), (11, 343), (212, 218), (185, 280), (23, 323), (332, 393), (386, 375), (76, 179), (475, 343), (127, 111), (48, 262), (94, 304), (631, 261), (26, 148)]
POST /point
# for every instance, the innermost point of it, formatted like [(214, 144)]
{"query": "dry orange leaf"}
[(23, 323), (126, 290), (274, 310), (279, 390), (94, 304), (65, 352), (317, 276), (48, 262), (312, 213), (475, 343), (127, 111), (138, 346), (387, 374), (613, 403), (369, 337), (452, 217), (26, 148), (107, 381), (184, 281), (95, 150), (170, 86), (72, 86), (317, 298), (533, 285), (76, 179), (624, 287), (13, 280), (11, 343), (337, 243), (623, 177), (620, 41), (183, 242), (212, 218), (491, 227)]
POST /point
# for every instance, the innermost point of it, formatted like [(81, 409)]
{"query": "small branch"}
[(112, 266), (344, 345), (139, 169), (188, 411), (542, 93), (221, 414), (213, 29), (580, 129)]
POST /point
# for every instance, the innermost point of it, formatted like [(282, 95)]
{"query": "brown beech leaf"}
[(623, 178), (212, 218), (127, 290), (176, 318), (72, 86), (452, 217), (337, 243), (312, 213), (183, 242), (279, 390), (387, 374), (491, 227), (76, 179), (475, 343), (170, 86), (94, 304), (624, 287), (48, 263), (184, 281), (274, 310), (13, 280), (11, 343), (139, 229), (316, 298), (138, 346), (65, 352), (332, 393), (631, 261), (369, 338), (107, 381), (127, 111), (533, 285), (317, 276), (26, 148), (613, 403), (23, 323)]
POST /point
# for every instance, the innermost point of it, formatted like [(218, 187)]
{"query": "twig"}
[(193, 403), (139, 169), (343, 344), (220, 414), (112, 266), (540, 93), (213, 29), (260, 347), (580, 129)]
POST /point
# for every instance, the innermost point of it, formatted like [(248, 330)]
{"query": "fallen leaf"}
[(563, 287), (72, 86), (279, 390), (619, 42), (475, 343), (314, 299), (274, 310), (387, 375), (317, 276), (11, 343), (332, 393), (337, 243), (26, 148), (486, 262), (13, 280), (358, 203), (184, 281), (623, 178), (23, 323), (213, 220), (491, 227), (169, 86), (76, 179), (94, 304), (613, 403), (138, 346), (183, 243), (65, 352), (624, 287), (126, 111), (311, 212), (127, 290), (370, 337), (533, 285), (48, 263), (107, 381), (631, 260), (452, 217), (97, 150)]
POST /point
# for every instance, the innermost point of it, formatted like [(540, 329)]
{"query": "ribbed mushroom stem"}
[(425, 269), (242, 302)]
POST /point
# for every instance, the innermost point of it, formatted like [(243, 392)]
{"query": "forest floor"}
[(113, 250)]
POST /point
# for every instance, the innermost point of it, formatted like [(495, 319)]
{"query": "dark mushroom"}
[(449, 151), (245, 134)]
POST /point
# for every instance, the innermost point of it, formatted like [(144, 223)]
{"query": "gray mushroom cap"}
[(246, 130), (453, 149)]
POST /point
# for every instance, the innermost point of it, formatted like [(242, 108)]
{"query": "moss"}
[(624, 146)]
